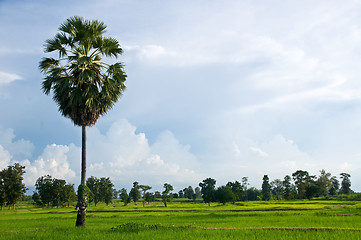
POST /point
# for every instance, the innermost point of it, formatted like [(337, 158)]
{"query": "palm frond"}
[(83, 86)]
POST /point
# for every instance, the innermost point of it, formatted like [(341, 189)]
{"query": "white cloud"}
[(53, 161), (5, 158), (258, 151), (6, 78), (19, 149), (126, 156)]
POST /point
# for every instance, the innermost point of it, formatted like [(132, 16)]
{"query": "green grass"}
[(250, 220)]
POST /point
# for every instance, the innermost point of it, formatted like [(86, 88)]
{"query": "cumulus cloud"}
[(53, 161), (5, 158), (126, 155), (19, 149)]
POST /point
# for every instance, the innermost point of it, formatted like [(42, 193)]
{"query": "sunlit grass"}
[(249, 220)]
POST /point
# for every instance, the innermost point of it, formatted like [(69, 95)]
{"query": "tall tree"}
[(14, 187), (324, 183), (287, 187), (300, 177), (244, 188), (277, 187), (208, 189), (345, 183), (134, 193), (266, 189), (93, 185), (58, 192), (106, 190), (84, 87), (236, 188), (144, 189), (335, 185), (43, 186)]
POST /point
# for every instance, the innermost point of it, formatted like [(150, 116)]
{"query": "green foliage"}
[(273, 220), (54, 191), (83, 192), (225, 194), (345, 184), (167, 196), (12, 187), (124, 196), (266, 189), (208, 186), (84, 86), (135, 193)]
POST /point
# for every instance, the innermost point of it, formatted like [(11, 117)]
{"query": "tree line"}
[(57, 192)]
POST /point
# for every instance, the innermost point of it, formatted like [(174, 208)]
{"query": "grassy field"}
[(250, 220)]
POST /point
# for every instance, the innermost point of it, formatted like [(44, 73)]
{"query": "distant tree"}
[(2, 190), (300, 178), (115, 193), (36, 199), (324, 183), (14, 187), (244, 188), (166, 194), (124, 196), (58, 192), (188, 192), (157, 194), (225, 194), (208, 189), (253, 194), (180, 194), (134, 193), (144, 189), (312, 189), (52, 190), (277, 187), (287, 186), (93, 185), (106, 190), (69, 194), (266, 189), (236, 188), (149, 197), (44, 187), (198, 192), (345, 183), (335, 185)]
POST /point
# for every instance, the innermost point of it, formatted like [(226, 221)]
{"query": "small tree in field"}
[(166, 194), (144, 189), (123, 195)]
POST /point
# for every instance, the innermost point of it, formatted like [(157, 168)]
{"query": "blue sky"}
[(220, 89)]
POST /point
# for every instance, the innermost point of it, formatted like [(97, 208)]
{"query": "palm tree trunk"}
[(82, 203), (83, 156)]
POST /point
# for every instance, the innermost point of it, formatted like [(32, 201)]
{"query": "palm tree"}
[(84, 87)]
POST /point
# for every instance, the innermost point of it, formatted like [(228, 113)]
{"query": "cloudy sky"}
[(220, 89)]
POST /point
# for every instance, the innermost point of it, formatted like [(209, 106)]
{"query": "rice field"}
[(249, 220)]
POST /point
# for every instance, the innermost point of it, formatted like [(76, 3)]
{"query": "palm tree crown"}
[(84, 87)]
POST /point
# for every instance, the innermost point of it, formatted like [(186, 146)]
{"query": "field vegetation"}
[(315, 219)]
